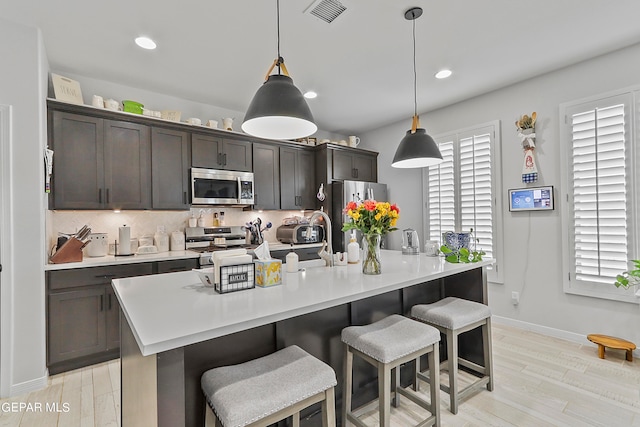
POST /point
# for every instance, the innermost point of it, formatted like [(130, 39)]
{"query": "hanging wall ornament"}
[(526, 132)]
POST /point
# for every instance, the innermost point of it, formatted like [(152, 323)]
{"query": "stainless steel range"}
[(207, 240)]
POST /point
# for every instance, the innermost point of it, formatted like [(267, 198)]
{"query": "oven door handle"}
[(239, 190)]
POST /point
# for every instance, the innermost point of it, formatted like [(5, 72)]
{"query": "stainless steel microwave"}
[(220, 187)]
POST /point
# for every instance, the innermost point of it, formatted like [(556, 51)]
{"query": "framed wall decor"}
[(66, 89)]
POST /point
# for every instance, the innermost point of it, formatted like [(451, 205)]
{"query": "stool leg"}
[(348, 384), (329, 408), (416, 381), (434, 384), (296, 419), (395, 383), (384, 394), (630, 355), (452, 358), (488, 352)]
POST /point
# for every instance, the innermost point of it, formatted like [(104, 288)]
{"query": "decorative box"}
[(268, 272)]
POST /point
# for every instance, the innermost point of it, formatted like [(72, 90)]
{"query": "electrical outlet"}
[(515, 298)]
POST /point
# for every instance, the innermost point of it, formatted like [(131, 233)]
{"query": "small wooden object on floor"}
[(612, 342)]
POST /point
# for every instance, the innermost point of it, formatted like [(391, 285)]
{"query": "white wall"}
[(23, 87), (532, 262)]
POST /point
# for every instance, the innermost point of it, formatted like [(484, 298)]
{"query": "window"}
[(598, 224), (461, 192)]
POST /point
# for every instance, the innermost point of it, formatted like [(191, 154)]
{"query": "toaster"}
[(299, 233)]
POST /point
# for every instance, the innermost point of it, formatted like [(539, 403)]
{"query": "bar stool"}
[(269, 389), (454, 316), (386, 344)]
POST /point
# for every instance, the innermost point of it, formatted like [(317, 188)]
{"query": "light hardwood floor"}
[(540, 381)]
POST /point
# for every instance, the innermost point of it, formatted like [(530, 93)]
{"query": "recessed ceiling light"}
[(310, 94), (145, 43), (443, 74)]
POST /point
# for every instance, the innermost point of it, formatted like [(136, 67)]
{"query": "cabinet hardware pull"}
[(105, 276), (225, 159), (220, 159), (100, 195), (109, 302), (356, 169), (107, 195), (101, 302), (184, 197)]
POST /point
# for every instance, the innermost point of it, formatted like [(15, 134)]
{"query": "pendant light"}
[(278, 109), (417, 149)]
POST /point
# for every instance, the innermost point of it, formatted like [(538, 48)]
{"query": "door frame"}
[(6, 237)]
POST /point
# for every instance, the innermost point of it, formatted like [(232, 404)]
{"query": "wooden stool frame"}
[(385, 386), (453, 360)]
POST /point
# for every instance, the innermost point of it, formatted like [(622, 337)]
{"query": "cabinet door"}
[(76, 324), (112, 318), (206, 151), (288, 171), (127, 151), (236, 155), (343, 165), (78, 177), (306, 174), (365, 167), (266, 176), (169, 169)]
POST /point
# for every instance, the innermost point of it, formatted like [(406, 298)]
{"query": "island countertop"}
[(173, 310)]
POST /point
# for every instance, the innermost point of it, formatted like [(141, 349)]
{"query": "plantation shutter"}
[(599, 186), (441, 193), (476, 198)]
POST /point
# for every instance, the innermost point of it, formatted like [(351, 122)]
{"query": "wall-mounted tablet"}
[(531, 199)]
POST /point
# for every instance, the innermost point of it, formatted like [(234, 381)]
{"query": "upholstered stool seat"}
[(269, 389), (386, 345), (454, 316)]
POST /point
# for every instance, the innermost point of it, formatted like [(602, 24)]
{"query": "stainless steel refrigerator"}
[(347, 191)]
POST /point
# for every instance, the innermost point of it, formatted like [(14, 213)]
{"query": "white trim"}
[(6, 255), (29, 386), (550, 332)]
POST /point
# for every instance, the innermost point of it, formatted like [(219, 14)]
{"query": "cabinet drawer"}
[(177, 265), (62, 279)]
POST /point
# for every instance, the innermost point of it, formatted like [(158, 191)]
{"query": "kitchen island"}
[(173, 329)]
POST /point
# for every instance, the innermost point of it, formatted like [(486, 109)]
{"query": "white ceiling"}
[(217, 52)]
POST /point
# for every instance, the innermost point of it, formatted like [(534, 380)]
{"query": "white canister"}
[(431, 248), (291, 261), (98, 245), (177, 241), (161, 239)]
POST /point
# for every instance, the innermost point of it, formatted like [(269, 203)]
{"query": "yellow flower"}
[(355, 215), (393, 222), (378, 216)]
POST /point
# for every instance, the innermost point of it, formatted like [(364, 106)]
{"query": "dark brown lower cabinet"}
[(83, 313)]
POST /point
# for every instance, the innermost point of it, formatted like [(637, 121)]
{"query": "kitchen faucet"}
[(328, 259)]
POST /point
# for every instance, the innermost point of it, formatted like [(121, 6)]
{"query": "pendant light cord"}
[(280, 60), (415, 75)]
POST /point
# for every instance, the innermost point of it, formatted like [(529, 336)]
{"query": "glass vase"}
[(371, 254)]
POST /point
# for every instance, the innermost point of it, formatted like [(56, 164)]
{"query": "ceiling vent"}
[(327, 10)]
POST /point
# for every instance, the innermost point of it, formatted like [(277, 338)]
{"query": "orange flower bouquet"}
[(373, 219)]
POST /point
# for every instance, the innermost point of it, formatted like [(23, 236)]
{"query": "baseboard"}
[(545, 330), (29, 386)]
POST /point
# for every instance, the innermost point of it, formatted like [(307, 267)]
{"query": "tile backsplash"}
[(145, 223)]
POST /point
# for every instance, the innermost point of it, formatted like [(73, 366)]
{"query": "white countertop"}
[(168, 311), (114, 260)]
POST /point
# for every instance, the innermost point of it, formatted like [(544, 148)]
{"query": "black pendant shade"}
[(279, 111), (417, 150)]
